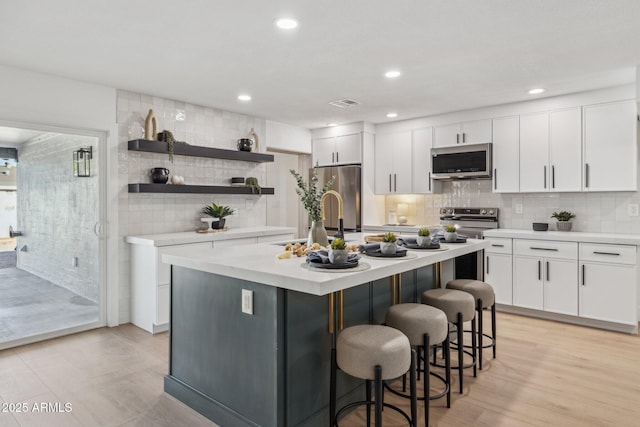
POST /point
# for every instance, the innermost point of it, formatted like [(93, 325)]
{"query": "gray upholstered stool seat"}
[(360, 348), (485, 297), (452, 302), (480, 290), (425, 326), (459, 307)]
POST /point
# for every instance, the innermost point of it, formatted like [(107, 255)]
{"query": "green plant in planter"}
[(168, 137), (217, 211), (338, 244), (389, 237), (424, 231), (563, 216), (450, 229), (252, 183)]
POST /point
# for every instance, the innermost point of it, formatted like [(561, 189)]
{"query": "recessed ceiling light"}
[(392, 115), (536, 91), (332, 124), (286, 23), (392, 74), (244, 97)]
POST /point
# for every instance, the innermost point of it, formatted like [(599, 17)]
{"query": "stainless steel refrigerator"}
[(347, 184)]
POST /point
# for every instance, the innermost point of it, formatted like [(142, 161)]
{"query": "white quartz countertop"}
[(409, 229), (168, 239), (259, 263), (566, 236)]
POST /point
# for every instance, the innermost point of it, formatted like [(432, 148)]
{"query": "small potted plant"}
[(217, 211), (564, 220), (338, 252), (424, 237), (450, 233), (388, 244)]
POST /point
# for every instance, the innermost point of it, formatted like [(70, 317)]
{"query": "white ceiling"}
[(14, 137), (454, 55)]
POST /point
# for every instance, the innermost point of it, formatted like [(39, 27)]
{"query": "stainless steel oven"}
[(471, 222)]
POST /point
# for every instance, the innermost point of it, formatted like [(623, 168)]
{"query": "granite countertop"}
[(259, 263), (566, 236), (186, 237)]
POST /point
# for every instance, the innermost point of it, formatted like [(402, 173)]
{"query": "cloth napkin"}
[(402, 241), (372, 248), (322, 257)]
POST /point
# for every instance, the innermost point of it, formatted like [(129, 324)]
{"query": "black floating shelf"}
[(198, 151), (194, 189)]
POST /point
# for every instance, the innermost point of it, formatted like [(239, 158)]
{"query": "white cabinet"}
[(393, 163), (550, 151), (422, 141), (506, 170), (472, 132), (338, 150), (610, 152), (608, 283), (545, 276), (498, 269)]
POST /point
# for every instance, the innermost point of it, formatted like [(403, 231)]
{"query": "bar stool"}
[(459, 307), (485, 298), (425, 326), (373, 353)]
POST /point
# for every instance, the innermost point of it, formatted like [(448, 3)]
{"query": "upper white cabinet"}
[(422, 141), (550, 151), (337, 150), (506, 170), (473, 132), (393, 163), (609, 150)]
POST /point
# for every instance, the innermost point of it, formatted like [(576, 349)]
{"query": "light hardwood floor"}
[(546, 374)]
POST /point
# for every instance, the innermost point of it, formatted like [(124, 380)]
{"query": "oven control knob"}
[(483, 212), (491, 212), (450, 211), (443, 211)]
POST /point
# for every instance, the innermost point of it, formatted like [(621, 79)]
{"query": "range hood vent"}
[(344, 103)]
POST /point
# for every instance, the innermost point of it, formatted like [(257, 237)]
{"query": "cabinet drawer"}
[(499, 245), (546, 249), (164, 270), (610, 254)]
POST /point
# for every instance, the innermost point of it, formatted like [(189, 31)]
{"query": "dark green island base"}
[(270, 369)]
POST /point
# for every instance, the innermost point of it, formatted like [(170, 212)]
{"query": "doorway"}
[(51, 277)]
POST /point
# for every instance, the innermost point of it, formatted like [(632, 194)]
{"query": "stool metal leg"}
[(460, 349), (426, 384), (378, 403), (493, 327), (414, 392), (474, 347), (447, 349), (368, 392), (480, 330)]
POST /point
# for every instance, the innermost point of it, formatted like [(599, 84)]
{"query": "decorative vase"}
[(388, 248), (338, 256), (423, 241), (317, 234), (564, 225), (450, 236), (151, 127), (159, 175), (218, 225)]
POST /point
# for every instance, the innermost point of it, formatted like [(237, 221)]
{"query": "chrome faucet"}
[(340, 211)]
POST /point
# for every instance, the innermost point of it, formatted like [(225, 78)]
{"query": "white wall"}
[(8, 212), (49, 102)]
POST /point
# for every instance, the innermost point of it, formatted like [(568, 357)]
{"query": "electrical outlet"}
[(247, 301), (632, 209), (518, 208), (74, 261), (235, 212)]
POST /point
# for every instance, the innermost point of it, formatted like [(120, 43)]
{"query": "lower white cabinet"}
[(150, 278), (498, 269), (546, 276), (608, 283)]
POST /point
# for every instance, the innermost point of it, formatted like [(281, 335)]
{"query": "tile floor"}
[(30, 305)]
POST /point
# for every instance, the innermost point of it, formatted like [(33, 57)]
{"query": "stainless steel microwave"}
[(461, 162)]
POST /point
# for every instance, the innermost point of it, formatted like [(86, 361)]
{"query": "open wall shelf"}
[(198, 151), (195, 189)]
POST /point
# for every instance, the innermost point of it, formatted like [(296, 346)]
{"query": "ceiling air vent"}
[(344, 103)]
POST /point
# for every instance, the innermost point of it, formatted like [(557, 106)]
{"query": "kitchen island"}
[(271, 367)]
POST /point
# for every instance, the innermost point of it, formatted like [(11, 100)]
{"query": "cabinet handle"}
[(586, 175), (495, 179), (553, 176), (429, 180), (497, 246), (487, 264), (543, 249), (395, 183), (539, 270), (547, 271), (333, 157), (583, 274), (389, 183), (606, 253), (337, 157), (457, 138), (545, 177), (464, 137)]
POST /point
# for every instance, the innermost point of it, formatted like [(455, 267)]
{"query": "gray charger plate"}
[(360, 266), (330, 266), (424, 248)]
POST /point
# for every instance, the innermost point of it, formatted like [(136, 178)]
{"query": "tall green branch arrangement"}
[(310, 195)]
